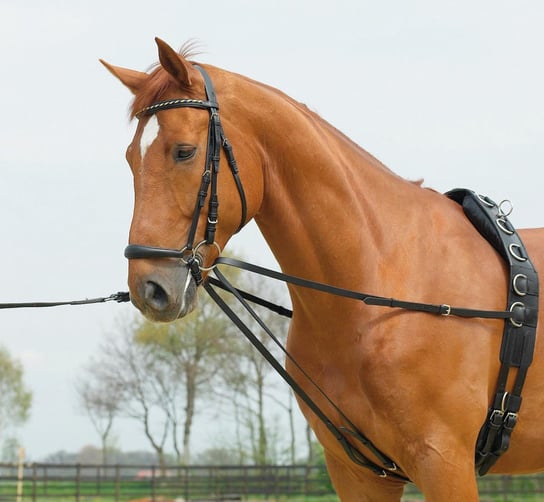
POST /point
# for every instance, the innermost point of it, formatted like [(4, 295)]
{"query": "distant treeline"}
[(93, 455)]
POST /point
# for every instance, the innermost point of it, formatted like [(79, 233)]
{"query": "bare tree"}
[(194, 350), (156, 374), (141, 384), (253, 384), (162, 374), (100, 399)]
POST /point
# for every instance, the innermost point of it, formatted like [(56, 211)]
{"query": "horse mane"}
[(159, 82)]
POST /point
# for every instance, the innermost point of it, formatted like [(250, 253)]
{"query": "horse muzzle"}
[(162, 292)]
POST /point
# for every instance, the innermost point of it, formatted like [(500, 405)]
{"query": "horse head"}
[(177, 227)]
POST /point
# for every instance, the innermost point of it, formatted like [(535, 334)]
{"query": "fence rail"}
[(116, 483)]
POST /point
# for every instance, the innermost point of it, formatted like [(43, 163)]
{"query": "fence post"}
[(186, 482), (78, 476), (117, 482), (153, 471), (45, 478), (98, 479), (34, 480), (20, 474)]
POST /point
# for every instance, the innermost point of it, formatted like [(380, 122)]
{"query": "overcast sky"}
[(446, 91)]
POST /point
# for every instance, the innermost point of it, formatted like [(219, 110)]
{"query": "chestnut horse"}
[(417, 385)]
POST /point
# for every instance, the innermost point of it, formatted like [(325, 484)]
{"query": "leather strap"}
[(120, 297), (518, 341), (340, 433), (369, 299)]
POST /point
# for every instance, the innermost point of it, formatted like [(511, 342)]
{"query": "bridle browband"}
[(208, 185)]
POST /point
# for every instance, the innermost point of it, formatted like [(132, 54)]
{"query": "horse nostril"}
[(155, 295)]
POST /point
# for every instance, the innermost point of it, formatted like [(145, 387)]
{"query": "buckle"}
[(445, 309), (510, 420), (496, 418)]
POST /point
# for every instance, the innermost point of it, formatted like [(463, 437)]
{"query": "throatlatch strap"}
[(518, 340)]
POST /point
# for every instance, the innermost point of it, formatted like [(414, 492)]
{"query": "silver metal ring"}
[(515, 285), (182, 251), (517, 324), (503, 402), (509, 205), (199, 245), (515, 254), (501, 223)]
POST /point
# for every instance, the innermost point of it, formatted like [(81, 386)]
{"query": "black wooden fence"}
[(113, 483), (39, 482)]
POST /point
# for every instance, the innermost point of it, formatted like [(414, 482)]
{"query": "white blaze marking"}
[(149, 134)]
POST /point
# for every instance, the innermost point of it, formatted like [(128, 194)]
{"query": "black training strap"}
[(518, 340), (120, 297), (338, 432), (442, 309)]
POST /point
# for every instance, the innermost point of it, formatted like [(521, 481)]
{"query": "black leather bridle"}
[(208, 186)]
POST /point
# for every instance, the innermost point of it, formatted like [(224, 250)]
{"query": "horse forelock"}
[(159, 82)]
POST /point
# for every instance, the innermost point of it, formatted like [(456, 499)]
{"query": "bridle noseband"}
[(216, 139)]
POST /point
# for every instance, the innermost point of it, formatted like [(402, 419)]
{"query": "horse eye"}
[(184, 152)]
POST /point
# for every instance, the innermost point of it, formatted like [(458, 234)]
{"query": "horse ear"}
[(175, 64), (130, 78)]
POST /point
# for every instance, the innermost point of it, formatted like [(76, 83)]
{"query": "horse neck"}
[(328, 205)]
